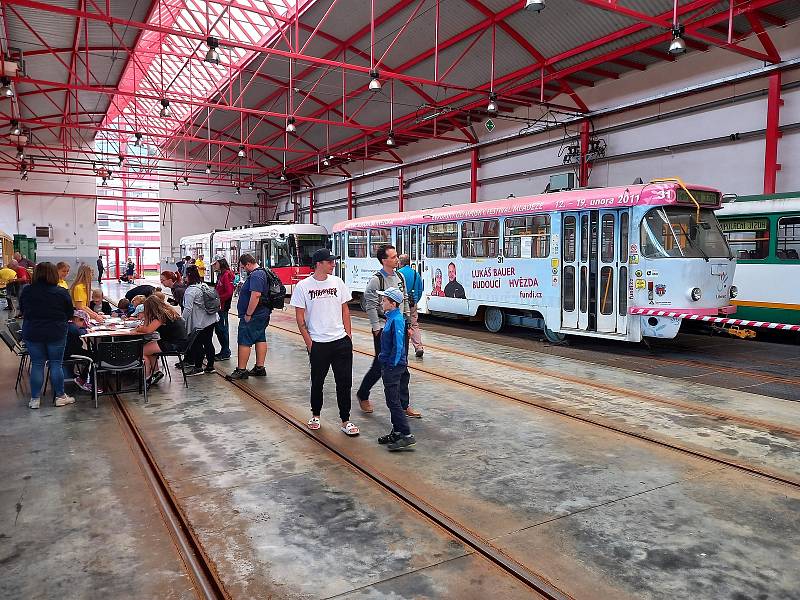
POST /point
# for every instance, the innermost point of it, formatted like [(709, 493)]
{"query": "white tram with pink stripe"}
[(579, 262)]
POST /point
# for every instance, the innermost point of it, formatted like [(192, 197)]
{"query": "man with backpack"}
[(387, 277), (260, 293), (415, 287)]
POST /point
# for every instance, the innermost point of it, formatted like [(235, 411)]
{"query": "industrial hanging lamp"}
[(175, 186), (241, 153), (678, 44), (120, 160), (165, 110), (374, 81), (212, 56), (237, 191), (5, 88), (390, 140), (138, 141), (250, 186), (208, 169), (290, 126), (15, 127), (492, 106), (20, 153), (534, 5)]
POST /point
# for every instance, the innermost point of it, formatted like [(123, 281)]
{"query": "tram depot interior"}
[(602, 200)]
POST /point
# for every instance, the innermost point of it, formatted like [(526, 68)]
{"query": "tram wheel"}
[(494, 318), (553, 337)]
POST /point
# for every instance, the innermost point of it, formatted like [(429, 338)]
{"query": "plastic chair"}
[(19, 351), (180, 355), (73, 360), (118, 357)]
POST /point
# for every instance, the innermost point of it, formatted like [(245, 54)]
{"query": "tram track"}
[(551, 407), (199, 567), (537, 582), (627, 392)]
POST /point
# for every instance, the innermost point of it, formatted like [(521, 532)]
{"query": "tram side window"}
[(568, 249), (378, 238), (607, 239), (442, 240), (527, 237), (748, 238), (788, 238), (480, 239), (357, 244)]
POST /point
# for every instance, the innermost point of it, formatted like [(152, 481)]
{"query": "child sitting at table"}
[(74, 347), (122, 308), (98, 303), (138, 307)]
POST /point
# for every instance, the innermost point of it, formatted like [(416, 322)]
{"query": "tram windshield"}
[(306, 245), (674, 232)]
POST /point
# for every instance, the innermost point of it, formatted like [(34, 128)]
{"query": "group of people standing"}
[(323, 317), (192, 295)]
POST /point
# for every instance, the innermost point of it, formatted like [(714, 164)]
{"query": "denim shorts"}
[(254, 331)]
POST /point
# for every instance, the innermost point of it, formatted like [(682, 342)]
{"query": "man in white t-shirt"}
[(323, 317)]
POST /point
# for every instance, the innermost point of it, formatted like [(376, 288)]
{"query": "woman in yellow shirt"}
[(63, 272), (81, 291)]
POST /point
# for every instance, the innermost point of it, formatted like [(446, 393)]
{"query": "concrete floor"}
[(76, 517), (600, 514)]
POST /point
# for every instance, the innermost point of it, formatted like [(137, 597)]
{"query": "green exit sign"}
[(489, 125)]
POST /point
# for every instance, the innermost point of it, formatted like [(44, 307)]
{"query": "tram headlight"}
[(734, 291), (696, 294)]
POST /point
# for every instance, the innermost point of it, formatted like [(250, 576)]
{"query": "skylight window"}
[(160, 67)]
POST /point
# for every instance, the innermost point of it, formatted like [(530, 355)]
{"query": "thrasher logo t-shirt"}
[(322, 301)]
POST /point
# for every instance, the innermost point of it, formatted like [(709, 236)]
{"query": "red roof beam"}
[(665, 23)]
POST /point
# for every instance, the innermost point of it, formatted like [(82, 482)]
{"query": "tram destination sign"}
[(744, 225)]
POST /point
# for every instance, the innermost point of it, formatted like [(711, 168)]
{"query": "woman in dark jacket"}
[(173, 281), (46, 308)]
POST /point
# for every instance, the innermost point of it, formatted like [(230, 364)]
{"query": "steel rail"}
[(471, 539), (634, 393), (543, 405), (199, 566)]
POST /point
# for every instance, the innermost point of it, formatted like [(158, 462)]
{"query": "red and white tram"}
[(575, 262), (286, 248)]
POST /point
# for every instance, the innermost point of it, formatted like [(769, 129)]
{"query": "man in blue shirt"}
[(394, 370), (415, 286), (253, 320)]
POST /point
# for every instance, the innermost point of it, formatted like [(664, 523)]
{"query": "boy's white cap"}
[(393, 293)]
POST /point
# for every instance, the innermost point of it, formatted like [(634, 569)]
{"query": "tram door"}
[(338, 250), (595, 271), (409, 241)]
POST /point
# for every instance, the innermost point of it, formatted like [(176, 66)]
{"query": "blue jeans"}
[(223, 336), (395, 386), (53, 353)]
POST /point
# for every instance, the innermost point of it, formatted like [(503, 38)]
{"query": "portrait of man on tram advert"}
[(437, 284), (453, 289)]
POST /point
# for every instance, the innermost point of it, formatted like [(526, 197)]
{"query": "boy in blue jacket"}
[(394, 370)]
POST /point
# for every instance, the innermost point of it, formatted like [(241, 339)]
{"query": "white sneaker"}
[(64, 400), (34, 403)]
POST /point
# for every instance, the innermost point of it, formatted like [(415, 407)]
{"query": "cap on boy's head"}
[(321, 255), (393, 294), (81, 314)]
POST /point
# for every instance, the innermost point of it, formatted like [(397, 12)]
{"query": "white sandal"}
[(350, 429), (314, 423)]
